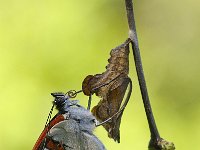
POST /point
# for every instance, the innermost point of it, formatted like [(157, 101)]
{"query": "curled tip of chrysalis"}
[(161, 145)]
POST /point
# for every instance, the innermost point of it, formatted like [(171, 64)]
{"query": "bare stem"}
[(138, 63)]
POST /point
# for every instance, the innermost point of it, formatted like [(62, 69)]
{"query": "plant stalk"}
[(155, 136)]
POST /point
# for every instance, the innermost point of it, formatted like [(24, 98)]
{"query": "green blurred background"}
[(51, 45)]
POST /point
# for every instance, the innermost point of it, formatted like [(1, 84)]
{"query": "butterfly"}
[(71, 128)]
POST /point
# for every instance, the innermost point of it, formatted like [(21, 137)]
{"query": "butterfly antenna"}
[(47, 124), (49, 116)]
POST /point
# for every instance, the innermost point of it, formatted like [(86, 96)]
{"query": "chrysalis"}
[(110, 86)]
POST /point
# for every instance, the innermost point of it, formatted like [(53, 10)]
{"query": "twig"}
[(155, 136), (139, 69)]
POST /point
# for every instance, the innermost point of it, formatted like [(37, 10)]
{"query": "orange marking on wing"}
[(58, 119), (52, 145)]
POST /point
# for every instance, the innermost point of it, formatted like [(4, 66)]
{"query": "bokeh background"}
[(51, 45)]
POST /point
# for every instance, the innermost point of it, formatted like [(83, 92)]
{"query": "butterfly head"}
[(60, 100)]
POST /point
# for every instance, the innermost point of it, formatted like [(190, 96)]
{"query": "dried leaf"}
[(111, 86)]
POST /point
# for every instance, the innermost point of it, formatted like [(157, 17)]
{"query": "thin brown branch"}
[(156, 142), (139, 69)]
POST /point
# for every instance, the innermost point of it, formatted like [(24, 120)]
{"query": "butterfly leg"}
[(89, 102)]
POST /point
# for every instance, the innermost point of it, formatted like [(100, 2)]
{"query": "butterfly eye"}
[(55, 101)]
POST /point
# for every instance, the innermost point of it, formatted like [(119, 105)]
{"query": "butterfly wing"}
[(42, 137), (67, 134)]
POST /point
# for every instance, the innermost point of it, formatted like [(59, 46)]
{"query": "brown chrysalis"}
[(111, 87)]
